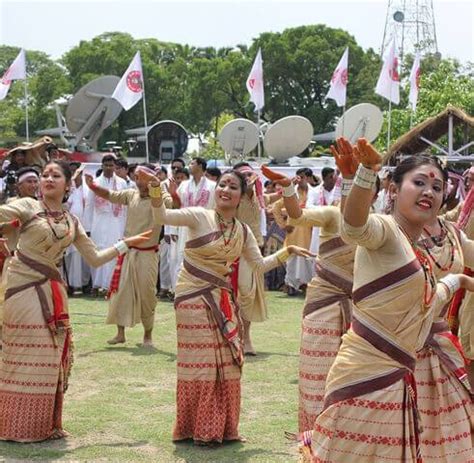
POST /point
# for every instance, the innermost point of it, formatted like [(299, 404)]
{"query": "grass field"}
[(120, 403)]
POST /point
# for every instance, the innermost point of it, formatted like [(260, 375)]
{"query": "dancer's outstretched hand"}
[(275, 177), (344, 157), (367, 155), (89, 180), (298, 251), (146, 176), (138, 239)]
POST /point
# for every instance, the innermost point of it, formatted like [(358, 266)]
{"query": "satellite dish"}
[(238, 138), (362, 120), (91, 110), (288, 137)]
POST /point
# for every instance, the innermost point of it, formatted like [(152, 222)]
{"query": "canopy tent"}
[(426, 135)]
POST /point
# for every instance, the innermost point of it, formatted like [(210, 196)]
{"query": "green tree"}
[(442, 83)]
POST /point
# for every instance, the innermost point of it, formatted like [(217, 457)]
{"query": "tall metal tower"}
[(413, 23)]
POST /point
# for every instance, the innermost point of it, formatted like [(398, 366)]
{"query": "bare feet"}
[(237, 439), (58, 434), (148, 343), (116, 340)]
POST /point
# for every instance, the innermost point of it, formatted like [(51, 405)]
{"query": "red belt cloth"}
[(115, 280)]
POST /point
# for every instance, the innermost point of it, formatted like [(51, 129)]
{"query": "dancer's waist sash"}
[(56, 318), (407, 365), (227, 319), (449, 351)]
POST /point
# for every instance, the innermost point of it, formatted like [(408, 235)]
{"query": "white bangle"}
[(289, 191), (452, 282), (121, 247), (365, 178), (346, 186)]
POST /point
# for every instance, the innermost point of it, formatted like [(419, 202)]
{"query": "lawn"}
[(120, 403)]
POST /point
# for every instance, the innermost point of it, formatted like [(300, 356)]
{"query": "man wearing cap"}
[(132, 293)]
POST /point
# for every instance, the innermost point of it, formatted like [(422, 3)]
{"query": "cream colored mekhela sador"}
[(370, 414), (443, 390), (251, 285), (466, 311), (37, 335), (208, 323), (327, 309)]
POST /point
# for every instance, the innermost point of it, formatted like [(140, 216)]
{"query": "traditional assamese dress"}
[(132, 292), (327, 310), (462, 317), (443, 390), (37, 334), (251, 285), (299, 270), (208, 323), (370, 413)]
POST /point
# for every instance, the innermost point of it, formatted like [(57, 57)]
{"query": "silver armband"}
[(121, 247), (365, 178), (346, 186), (289, 191), (451, 282)]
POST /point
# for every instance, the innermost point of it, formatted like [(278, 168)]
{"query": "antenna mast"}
[(413, 23)]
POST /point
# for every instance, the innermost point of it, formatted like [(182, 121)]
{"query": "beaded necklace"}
[(428, 293), (57, 217), (438, 242), (223, 228)]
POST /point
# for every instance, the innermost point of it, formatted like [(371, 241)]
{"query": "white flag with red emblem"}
[(414, 82), (129, 90), (388, 84), (16, 71), (255, 82), (338, 88)]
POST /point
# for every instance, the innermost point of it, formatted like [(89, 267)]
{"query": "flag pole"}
[(389, 122), (259, 149), (343, 111), (146, 121), (26, 112)]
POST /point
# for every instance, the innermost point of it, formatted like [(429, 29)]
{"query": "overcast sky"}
[(56, 26)]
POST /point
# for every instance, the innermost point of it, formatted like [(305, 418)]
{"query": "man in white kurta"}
[(197, 191), (325, 194), (178, 176), (107, 221), (77, 271)]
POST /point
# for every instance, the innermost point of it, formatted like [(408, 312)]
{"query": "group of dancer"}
[(382, 378)]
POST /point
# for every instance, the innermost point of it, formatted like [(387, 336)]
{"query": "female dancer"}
[(370, 412), (328, 305), (210, 355), (444, 392), (37, 335)]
